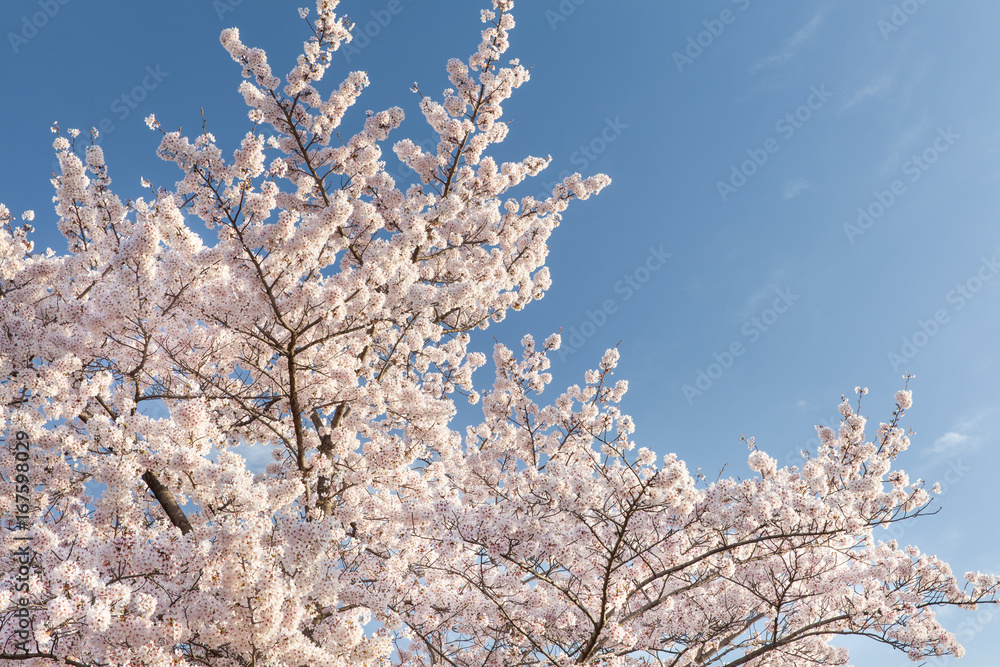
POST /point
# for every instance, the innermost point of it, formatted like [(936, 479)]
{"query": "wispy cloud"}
[(806, 32), (871, 90), (964, 435), (793, 43), (751, 303), (795, 187), (755, 303), (949, 442), (903, 143)]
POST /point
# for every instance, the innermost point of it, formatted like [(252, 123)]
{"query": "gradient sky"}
[(823, 175)]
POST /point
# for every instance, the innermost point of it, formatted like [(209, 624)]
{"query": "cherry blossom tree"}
[(330, 324)]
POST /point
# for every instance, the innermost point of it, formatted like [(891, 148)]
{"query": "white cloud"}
[(871, 90), (763, 297), (905, 142), (964, 435), (949, 442), (795, 187), (806, 32), (793, 43)]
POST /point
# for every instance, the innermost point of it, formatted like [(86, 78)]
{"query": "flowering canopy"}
[(330, 324)]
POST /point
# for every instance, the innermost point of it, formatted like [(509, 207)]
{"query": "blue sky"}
[(822, 175)]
